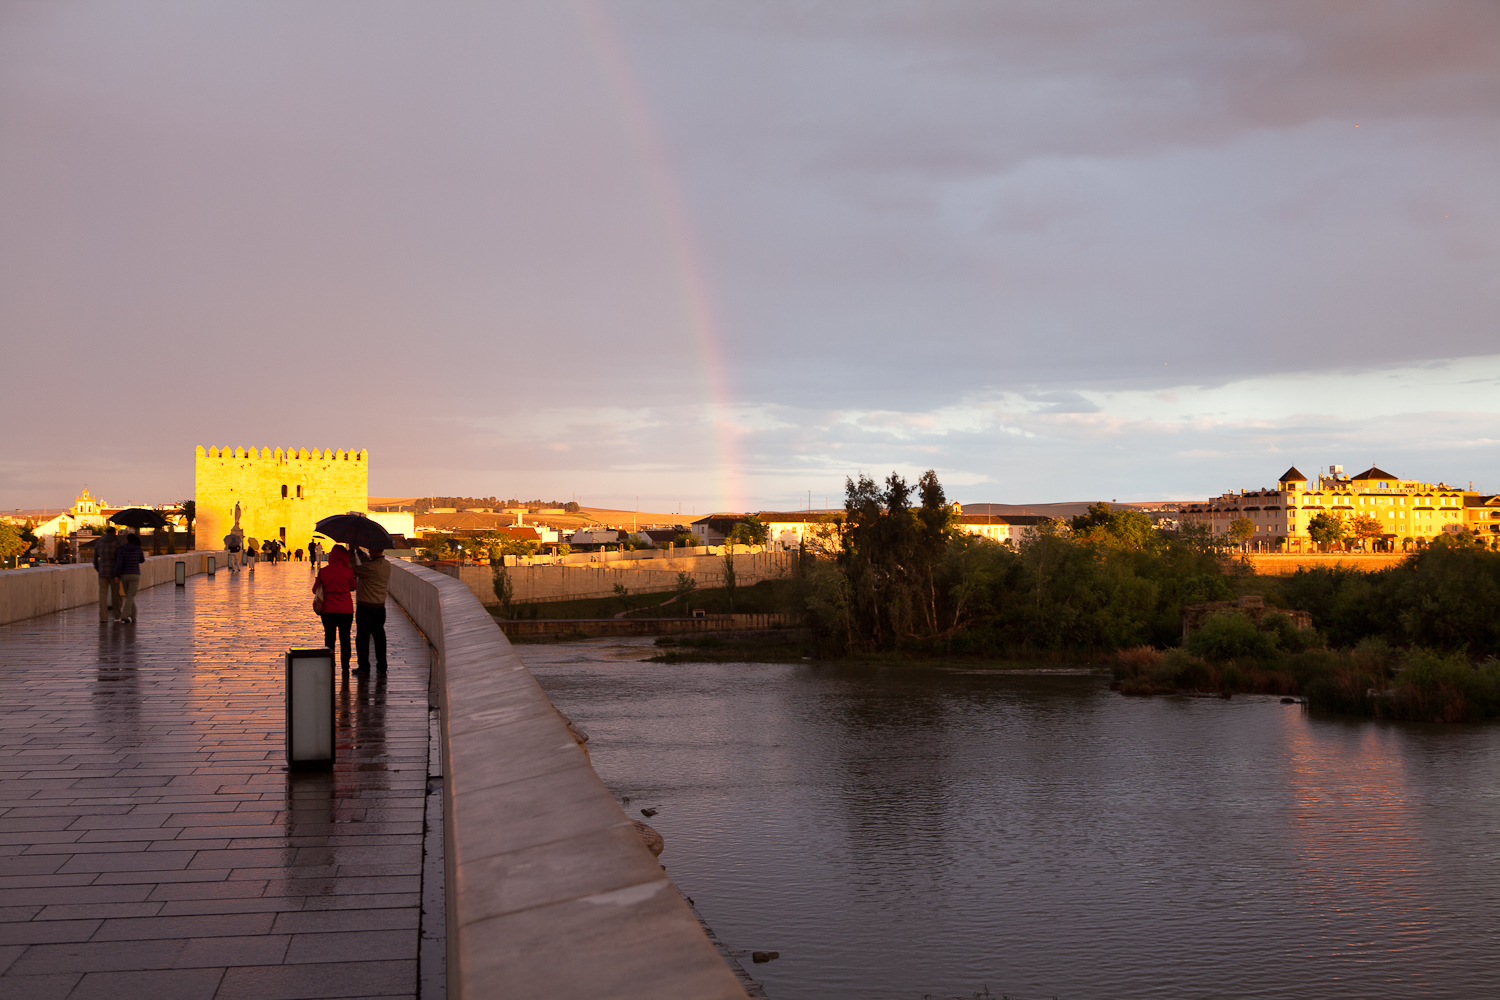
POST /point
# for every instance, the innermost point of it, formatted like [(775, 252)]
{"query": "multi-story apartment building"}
[(1482, 517), (1409, 511)]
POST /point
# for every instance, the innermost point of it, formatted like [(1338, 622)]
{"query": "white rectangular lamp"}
[(309, 709), (181, 573), (213, 565)]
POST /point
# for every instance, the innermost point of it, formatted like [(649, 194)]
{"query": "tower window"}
[(283, 491), (299, 492)]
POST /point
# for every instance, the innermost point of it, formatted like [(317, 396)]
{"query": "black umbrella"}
[(139, 517), (353, 529)]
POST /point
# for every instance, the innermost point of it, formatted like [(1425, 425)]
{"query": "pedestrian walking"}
[(109, 584), (374, 576), (314, 554), (252, 553), (335, 583), (128, 559), (297, 555), (232, 551)]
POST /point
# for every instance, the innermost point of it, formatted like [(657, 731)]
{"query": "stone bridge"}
[(152, 843)]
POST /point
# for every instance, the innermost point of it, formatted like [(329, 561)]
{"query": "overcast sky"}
[(723, 254)]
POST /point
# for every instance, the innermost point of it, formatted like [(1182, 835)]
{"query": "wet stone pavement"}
[(152, 843)]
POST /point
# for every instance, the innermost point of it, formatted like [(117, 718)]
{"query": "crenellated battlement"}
[(284, 455)]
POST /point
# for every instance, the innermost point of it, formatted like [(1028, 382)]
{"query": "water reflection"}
[(900, 832), (116, 694)]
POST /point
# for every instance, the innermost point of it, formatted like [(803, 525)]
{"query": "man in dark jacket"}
[(105, 548), (128, 568)]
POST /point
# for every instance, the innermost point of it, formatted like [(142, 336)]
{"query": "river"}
[(898, 833)]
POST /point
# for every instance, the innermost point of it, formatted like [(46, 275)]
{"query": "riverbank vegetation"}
[(1416, 641), (765, 597)]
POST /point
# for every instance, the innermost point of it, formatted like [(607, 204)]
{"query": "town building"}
[(1002, 528), (791, 530), (1482, 517), (276, 494), (87, 514), (1408, 511)]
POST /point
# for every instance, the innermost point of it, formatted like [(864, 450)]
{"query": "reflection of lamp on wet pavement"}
[(309, 709)]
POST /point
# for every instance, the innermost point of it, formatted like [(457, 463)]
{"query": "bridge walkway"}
[(152, 843)]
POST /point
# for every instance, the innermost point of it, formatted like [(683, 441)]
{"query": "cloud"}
[(1035, 245)]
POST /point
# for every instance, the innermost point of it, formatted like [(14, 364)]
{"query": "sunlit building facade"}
[(1406, 510)]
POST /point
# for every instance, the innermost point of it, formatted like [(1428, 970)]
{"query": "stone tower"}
[(281, 494)]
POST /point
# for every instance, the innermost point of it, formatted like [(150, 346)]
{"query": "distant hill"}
[(1064, 509)]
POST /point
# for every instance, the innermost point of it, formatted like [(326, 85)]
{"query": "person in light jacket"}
[(337, 581), (374, 575)]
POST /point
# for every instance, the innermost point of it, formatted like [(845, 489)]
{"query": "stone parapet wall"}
[(551, 892), (41, 590), (1283, 564), (541, 584)]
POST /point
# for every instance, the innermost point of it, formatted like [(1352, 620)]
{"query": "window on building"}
[(283, 491), (299, 492)]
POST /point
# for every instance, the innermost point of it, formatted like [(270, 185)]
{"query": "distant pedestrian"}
[(374, 575), (128, 559), (314, 553), (298, 555), (232, 550), (109, 584), (252, 552), (336, 581)]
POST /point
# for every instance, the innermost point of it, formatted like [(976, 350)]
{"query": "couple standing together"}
[(367, 577)]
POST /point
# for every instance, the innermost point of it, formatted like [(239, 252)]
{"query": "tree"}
[(438, 546), (686, 584), (1365, 527), (1327, 528), (750, 531), (11, 542), (1120, 529), (1240, 529), (888, 552), (504, 589), (729, 575), (1199, 536), (190, 512)]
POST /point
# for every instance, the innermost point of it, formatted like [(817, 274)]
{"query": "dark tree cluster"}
[(907, 579)]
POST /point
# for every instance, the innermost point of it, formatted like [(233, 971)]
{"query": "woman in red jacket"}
[(337, 581)]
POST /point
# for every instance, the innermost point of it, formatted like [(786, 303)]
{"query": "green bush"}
[(1290, 638), (1432, 687), (1230, 635)]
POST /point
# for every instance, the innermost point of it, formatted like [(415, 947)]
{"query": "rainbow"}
[(696, 290)]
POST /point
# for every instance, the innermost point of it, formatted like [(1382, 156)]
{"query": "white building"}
[(1000, 527)]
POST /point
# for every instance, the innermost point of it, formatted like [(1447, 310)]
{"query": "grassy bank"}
[(766, 597), (760, 646), (1371, 679)]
